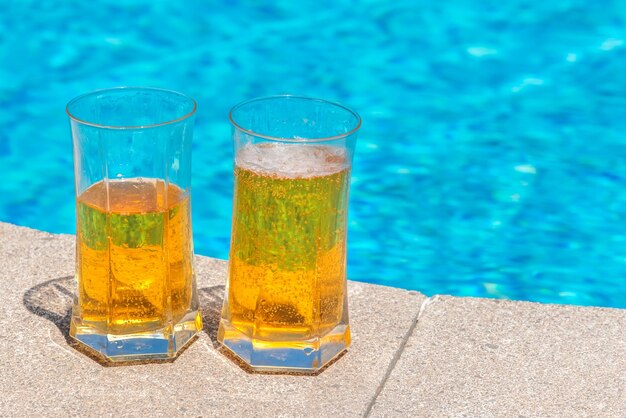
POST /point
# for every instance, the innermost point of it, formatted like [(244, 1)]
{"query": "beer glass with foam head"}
[(285, 307), (136, 294)]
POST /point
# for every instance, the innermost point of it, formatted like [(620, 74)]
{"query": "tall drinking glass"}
[(285, 306), (136, 294)]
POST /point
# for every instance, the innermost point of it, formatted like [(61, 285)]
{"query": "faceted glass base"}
[(300, 356), (163, 343)]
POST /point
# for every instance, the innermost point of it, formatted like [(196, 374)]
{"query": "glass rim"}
[(295, 140), (129, 88)]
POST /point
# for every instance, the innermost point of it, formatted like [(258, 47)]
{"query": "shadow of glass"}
[(53, 300), (211, 300)]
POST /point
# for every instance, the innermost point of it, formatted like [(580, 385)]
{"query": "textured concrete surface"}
[(477, 357), (42, 374), (410, 356)]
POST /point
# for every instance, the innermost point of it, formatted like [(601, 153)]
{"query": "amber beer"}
[(286, 306), (134, 252), (136, 292), (288, 249)]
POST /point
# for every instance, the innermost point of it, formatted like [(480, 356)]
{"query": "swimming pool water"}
[(492, 157)]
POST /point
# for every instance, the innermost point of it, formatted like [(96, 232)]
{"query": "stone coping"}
[(411, 355)]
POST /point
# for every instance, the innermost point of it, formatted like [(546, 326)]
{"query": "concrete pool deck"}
[(411, 355)]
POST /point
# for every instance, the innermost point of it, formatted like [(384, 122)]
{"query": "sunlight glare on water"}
[(492, 157)]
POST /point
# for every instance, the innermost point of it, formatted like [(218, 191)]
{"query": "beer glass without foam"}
[(136, 294)]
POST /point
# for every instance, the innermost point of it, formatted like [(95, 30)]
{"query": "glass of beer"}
[(136, 295), (285, 307)]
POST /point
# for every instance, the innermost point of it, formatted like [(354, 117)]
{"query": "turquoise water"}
[(492, 158)]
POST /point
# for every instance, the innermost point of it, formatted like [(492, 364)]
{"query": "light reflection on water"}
[(492, 157)]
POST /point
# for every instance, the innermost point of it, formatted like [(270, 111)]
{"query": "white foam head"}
[(292, 160)]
